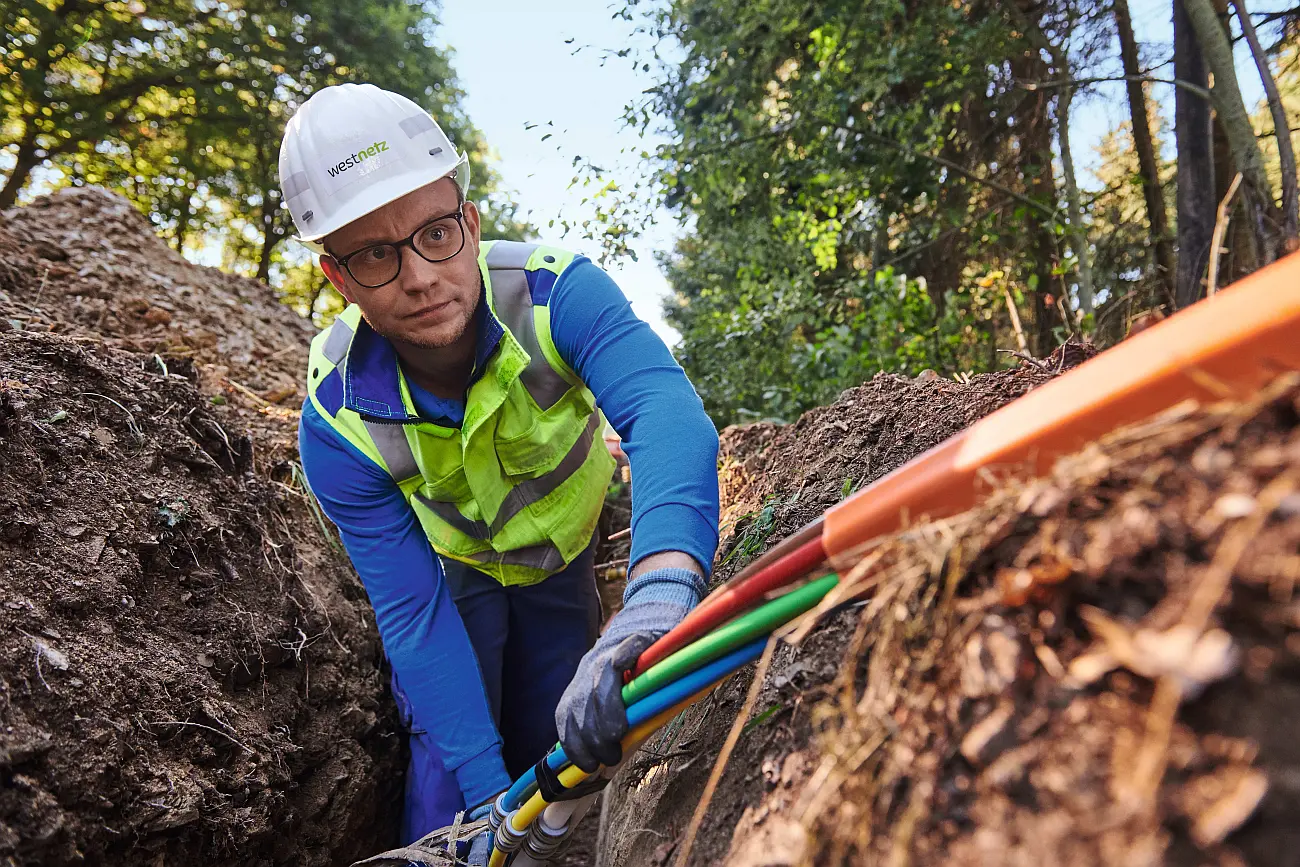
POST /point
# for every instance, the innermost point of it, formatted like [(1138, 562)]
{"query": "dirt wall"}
[(1096, 668), (189, 669)]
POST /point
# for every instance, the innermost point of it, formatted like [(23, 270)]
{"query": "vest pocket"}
[(453, 487), (529, 454)]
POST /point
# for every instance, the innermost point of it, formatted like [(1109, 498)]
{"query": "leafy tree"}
[(819, 146), (197, 104), (80, 73)]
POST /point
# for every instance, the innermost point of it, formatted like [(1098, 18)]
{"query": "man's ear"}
[(330, 266), (473, 222)]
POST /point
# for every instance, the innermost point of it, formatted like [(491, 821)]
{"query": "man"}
[(452, 433)]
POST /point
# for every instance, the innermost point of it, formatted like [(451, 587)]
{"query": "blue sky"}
[(522, 63), (518, 67)]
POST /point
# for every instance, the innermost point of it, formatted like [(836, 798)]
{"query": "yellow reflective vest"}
[(517, 490)]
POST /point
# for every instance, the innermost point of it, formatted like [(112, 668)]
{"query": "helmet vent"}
[(307, 215), (433, 152)]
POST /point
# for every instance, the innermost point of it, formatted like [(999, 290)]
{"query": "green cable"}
[(729, 636)]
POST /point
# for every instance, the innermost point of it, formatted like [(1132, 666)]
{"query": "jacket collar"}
[(373, 384)]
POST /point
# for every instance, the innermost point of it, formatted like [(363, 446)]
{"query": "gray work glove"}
[(591, 717), (480, 850)]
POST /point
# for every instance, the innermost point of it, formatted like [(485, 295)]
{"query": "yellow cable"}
[(573, 775), (523, 817)]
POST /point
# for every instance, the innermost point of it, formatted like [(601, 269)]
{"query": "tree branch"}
[(952, 166), (1202, 92)]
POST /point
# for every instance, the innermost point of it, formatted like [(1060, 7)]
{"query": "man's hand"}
[(591, 717)]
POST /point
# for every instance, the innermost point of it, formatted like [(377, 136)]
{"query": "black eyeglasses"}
[(379, 264)]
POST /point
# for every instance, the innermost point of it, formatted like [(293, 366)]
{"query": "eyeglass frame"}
[(408, 241)]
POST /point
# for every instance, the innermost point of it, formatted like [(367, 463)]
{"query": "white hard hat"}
[(353, 148)]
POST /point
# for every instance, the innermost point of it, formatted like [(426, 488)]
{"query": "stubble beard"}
[(436, 338)]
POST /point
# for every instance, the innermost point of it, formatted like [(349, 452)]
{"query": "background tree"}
[(1144, 144), (879, 186), (1195, 195), (182, 107)]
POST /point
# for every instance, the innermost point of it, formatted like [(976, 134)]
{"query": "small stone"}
[(1234, 505), (96, 548), (56, 658)]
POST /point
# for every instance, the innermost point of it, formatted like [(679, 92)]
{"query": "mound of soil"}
[(1100, 667), (189, 669), (85, 263), (776, 478), (773, 480)]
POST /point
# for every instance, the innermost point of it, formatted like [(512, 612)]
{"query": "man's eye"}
[(435, 234), (376, 254)]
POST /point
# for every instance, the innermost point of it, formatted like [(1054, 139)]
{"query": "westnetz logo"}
[(358, 158)]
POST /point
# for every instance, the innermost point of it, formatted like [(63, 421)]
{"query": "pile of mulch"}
[(1101, 667), (85, 263), (189, 668), (774, 479)]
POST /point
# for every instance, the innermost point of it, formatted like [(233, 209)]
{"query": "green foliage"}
[(763, 349), (182, 106), (841, 168), (754, 537)]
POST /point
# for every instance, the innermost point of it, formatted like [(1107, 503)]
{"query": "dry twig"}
[(1216, 242), (715, 776), (1015, 320)]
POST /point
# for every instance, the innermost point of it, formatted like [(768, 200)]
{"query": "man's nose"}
[(418, 274)]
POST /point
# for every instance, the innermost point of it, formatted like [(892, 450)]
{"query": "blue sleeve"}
[(671, 443), (423, 634)]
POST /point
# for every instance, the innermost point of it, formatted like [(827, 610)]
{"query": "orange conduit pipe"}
[(1227, 346), (734, 599), (1223, 347)]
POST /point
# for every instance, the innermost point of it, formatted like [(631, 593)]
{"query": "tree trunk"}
[(186, 213), (1078, 232), (1231, 110), (1195, 197), (1146, 151), (1034, 130), (1281, 126), (20, 174), (270, 235)]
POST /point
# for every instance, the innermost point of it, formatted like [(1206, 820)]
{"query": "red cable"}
[(731, 601)]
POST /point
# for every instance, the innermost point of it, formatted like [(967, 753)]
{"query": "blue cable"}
[(648, 708), (667, 696), (520, 789)]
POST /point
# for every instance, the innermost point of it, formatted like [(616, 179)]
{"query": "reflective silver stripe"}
[(338, 341), (514, 306), (545, 557), (394, 448), (524, 493), (449, 513), (509, 255)]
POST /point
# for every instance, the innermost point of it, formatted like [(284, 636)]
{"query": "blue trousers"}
[(528, 641)]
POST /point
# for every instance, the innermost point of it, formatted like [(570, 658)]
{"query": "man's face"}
[(428, 304)]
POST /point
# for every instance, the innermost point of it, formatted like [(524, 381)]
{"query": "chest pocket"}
[(443, 451), (524, 438)]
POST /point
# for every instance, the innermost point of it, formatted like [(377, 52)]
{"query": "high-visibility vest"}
[(517, 490)]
